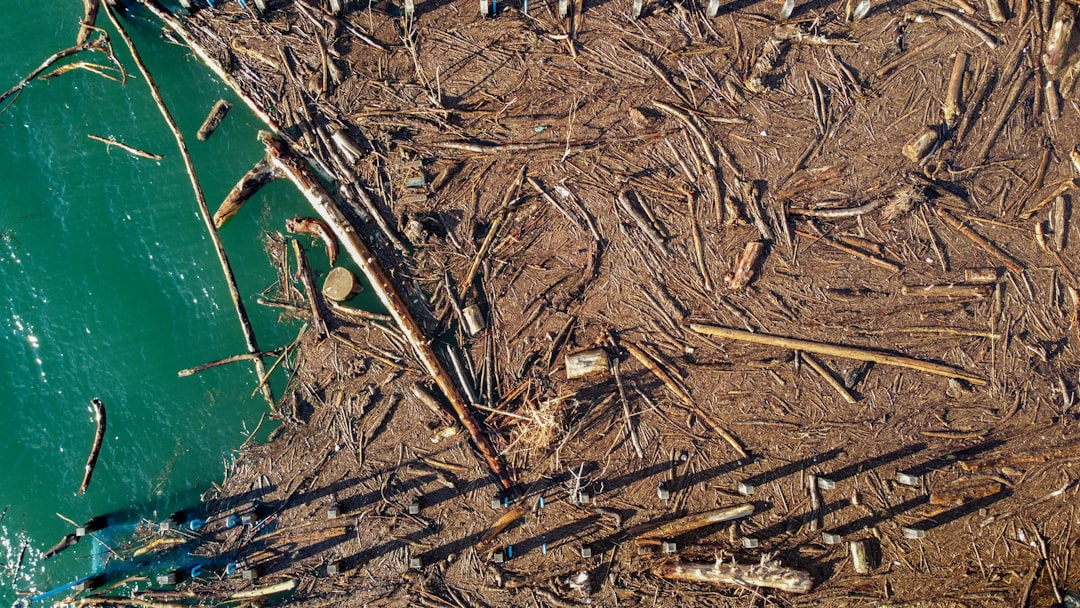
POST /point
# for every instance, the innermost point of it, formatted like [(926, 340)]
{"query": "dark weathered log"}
[(213, 119), (99, 437), (261, 174), (68, 541)]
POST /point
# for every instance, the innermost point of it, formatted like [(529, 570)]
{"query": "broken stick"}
[(837, 350), (99, 438)]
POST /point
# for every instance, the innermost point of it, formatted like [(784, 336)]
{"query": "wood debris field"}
[(814, 275)]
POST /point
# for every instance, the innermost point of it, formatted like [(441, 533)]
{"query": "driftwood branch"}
[(86, 25), (191, 371), (99, 438), (57, 56)]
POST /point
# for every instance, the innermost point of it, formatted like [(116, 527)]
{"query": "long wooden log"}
[(837, 350), (99, 438), (204, 210), (365, 259), (695, 521)]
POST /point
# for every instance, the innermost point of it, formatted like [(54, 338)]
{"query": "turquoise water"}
[(109, 285)]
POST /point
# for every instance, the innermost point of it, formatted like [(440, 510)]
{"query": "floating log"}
[(191, 371), (769, 575), (365, 259), (99, 437), (213, 119), (159, 544), (86, 25), (110, 142), (252, 181)]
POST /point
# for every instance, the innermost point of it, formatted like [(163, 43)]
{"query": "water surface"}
[(109, 284)]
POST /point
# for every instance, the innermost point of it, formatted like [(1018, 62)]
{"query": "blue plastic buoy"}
[(509, 552), (230, 568), (196, 524), (197, 571), (231, 522)]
